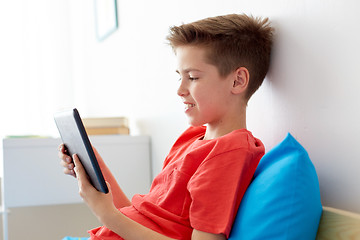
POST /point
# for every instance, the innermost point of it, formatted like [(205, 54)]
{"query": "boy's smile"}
[(207, 96), (188, 106)]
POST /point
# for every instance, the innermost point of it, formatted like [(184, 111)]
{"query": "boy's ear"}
[(241, 80)]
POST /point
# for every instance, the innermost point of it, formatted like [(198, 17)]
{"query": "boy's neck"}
[(235, 123)]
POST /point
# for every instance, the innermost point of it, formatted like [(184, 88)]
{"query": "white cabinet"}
[(32, 174)]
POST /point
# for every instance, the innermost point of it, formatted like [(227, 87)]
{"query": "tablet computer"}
[(73, 135)]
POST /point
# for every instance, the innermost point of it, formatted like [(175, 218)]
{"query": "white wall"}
[(311, 90), (35, 64)]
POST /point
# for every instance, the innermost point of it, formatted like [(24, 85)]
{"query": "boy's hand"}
[(66, 161), (100, 203)]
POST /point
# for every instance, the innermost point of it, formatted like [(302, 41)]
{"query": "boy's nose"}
[(182, 90)]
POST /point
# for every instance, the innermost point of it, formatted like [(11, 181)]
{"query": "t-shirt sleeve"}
[(217, 188)]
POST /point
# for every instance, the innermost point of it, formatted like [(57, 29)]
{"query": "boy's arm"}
[(102, 206), (119, 198), (199, 235)]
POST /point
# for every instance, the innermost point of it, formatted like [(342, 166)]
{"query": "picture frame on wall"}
[(106, 18)]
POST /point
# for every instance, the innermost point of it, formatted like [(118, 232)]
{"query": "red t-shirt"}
[(200, 186)]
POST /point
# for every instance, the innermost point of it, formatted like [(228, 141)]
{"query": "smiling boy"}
[(221, 62)]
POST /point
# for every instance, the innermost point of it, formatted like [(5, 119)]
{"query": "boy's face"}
[(206, 95)]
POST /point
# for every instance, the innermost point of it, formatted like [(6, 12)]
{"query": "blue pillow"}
[(283, 200)]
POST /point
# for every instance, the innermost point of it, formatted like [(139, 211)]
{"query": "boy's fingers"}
[(79, 169), (67, 165), (108, 186), (69, 172), (63, 154), (62, 148)]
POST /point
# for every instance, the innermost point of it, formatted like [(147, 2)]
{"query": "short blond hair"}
[(231, 41)]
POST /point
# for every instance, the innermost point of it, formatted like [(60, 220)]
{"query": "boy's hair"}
[(231, 41)]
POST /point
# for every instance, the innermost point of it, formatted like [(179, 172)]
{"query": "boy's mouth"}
[(189, 105)]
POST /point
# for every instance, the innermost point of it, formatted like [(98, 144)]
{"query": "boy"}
[(221, 62)]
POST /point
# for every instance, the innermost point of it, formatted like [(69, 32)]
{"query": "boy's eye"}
[(190, 78)]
